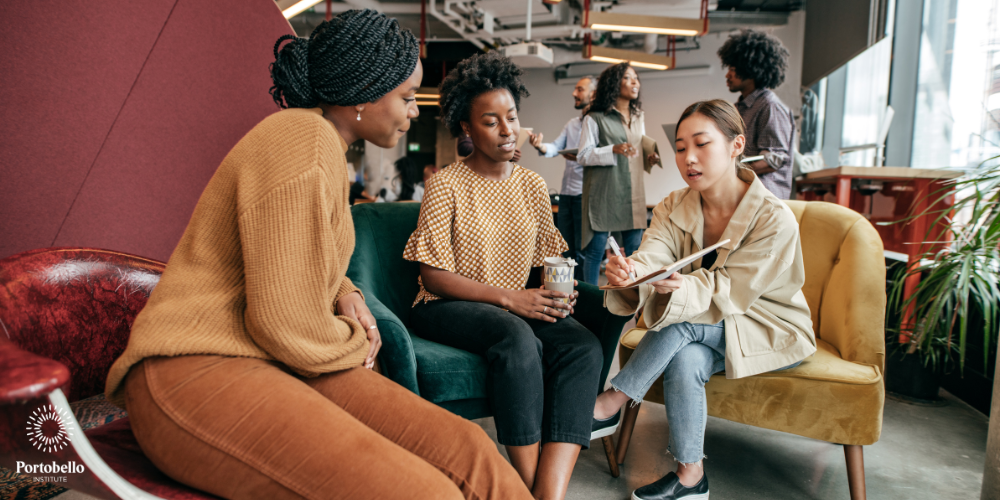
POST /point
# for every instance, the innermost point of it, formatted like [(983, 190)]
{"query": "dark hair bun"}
[(354, 58), (290, 74)]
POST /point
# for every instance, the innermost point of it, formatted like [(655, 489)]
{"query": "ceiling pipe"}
[(527, 26), (555, 31), (432, 9)]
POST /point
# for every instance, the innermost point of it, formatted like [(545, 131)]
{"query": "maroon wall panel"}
[(67, 68), (202, 86)]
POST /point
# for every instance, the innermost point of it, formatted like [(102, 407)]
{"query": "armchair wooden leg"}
[(625, 430), (854, 454), (609, 450)]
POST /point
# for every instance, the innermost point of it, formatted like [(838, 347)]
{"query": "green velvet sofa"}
[(449, 377)]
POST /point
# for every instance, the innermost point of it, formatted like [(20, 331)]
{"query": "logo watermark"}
[(50, 430)]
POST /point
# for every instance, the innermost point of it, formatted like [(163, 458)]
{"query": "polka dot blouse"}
[(490, 231)]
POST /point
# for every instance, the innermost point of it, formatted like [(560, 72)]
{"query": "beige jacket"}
[(755, 285)]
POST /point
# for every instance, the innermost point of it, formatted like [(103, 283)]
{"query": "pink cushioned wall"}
[(116, 114)]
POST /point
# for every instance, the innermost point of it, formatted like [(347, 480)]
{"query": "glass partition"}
[(957, 115)]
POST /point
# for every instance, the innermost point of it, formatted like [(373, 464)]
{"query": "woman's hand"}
[(539, 303), (653, 159), (669, 285), (353, 306), (625, 149), (618, 270), (568, 156)]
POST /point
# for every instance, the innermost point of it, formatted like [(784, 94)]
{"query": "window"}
[(957, 119), (865, 101)]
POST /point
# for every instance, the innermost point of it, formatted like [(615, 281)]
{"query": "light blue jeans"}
[(687, 355)]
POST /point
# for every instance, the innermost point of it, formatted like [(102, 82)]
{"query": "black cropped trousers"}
[(543, 377)]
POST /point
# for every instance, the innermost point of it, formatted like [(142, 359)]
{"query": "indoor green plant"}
[(956, 280)]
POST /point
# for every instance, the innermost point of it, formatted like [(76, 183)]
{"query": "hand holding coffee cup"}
[(558, 277)]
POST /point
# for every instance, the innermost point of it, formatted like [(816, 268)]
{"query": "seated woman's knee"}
[(473, 435), (590, 351), (693, 364), (683, 329), (519, 341)]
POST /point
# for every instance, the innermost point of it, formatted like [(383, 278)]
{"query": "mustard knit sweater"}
[(261, 265)]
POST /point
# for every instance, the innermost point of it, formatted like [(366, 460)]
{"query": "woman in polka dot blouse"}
[(484, 223)]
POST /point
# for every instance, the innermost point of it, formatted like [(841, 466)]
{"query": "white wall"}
[(664, 97)]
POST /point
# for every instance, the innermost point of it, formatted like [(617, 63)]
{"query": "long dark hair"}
[(609, 88), (409, 175)]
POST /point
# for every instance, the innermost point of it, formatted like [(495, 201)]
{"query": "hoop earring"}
[(359, 116)]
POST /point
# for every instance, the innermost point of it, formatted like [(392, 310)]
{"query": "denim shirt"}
[(572, 181)]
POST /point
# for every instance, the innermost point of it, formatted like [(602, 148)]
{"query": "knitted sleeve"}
[(288, 244)]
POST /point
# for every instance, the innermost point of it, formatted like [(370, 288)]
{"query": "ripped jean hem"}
[(695, 462), (636, 400)]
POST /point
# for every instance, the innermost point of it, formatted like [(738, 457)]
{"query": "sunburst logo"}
[(50, 429)]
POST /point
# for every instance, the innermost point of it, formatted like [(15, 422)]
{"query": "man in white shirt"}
[(569, 219)]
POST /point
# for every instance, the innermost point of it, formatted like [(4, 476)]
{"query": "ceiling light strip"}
[(637, 59), (644, 29), (297, 8), (609, 21)]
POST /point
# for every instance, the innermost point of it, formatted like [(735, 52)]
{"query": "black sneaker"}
[(606, 427), (670, 488)]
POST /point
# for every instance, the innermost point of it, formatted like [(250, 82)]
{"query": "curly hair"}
[(609, 88), (356, 57), (472, 77), (755, 55)]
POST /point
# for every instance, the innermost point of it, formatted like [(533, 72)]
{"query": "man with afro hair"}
[(757, 64)]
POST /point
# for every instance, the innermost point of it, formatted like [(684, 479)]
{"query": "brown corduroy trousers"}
[(249, 428)]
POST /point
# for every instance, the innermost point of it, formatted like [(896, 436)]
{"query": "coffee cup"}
[(558, 276)]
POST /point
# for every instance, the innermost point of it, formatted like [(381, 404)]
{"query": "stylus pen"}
[(618, 252)]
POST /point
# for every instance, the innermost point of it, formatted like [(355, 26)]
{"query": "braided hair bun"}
[(354, 58)]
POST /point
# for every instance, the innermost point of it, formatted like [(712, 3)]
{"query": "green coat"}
[(614, 196)]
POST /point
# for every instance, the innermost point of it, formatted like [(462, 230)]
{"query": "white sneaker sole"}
[(689, 497), (603, 432)]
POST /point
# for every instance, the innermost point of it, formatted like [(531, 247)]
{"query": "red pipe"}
[(704, 15), (423, 28)]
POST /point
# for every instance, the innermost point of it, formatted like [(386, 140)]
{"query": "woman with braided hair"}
[(249, 372)]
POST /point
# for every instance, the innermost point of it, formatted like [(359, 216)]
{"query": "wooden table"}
[(903, 192)]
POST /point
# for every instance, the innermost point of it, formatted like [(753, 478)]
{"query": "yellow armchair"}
[(837, 394)]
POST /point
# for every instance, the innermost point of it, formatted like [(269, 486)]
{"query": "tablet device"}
[(665, 271), (522, 136), (671, 130)]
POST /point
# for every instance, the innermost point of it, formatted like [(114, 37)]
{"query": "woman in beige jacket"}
[(738, 309)]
